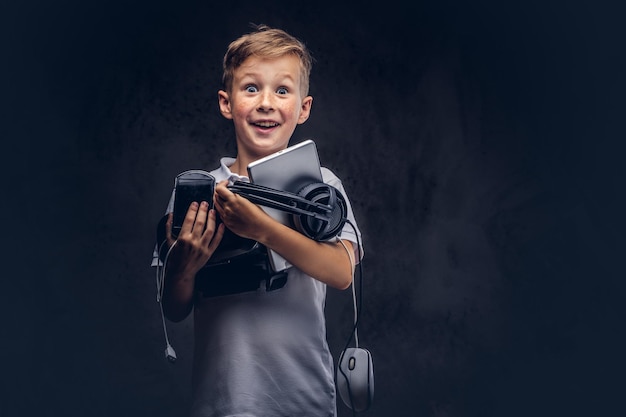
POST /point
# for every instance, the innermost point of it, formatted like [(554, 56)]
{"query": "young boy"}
[(260, 353)]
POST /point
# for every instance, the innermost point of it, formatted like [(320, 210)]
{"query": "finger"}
[(218, 204), (217, 238), (168, 229), (201, 219), (190, 218), (209, 230), (217, 200), (222, 192)]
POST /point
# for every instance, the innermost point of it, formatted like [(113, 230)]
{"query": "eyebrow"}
[(278, 76)]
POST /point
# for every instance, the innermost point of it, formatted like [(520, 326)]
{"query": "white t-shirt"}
[(264, 353)]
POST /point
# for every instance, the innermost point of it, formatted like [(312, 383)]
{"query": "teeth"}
[(266, 124)]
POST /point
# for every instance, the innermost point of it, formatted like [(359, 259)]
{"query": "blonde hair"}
[(266, 42)]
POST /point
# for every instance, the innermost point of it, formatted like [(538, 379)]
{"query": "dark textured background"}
[(480, 144)]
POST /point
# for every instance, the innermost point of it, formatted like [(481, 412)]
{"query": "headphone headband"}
[(280, 200), (319, 210)]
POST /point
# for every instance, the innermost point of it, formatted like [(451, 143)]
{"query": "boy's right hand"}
[(196, 243)]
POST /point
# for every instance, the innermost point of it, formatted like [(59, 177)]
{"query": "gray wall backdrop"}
[(479, 142)]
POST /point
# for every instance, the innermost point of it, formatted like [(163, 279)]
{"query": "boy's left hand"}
[(239, 214)]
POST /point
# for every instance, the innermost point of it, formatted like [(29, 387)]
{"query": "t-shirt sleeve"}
[(350, 230)]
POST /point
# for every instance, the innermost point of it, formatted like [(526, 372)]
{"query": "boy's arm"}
[(190, 252), (329, 262), (325, 261)]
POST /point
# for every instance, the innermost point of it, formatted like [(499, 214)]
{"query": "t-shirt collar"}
[(225, 164)]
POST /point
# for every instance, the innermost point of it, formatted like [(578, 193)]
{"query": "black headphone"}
[(318, 210)]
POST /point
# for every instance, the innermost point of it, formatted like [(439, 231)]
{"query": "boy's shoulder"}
[(329, 176)]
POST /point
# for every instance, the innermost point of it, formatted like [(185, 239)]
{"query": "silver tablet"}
[(288, 170)]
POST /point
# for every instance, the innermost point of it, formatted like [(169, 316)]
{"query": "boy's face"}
[(265, 104)]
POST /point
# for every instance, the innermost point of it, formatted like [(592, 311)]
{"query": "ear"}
[(224, 102), (305, 109)]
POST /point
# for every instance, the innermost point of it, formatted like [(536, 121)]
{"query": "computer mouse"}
[(355, 378)]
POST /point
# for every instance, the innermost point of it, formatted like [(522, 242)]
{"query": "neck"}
[(240, 166), (244, 157)]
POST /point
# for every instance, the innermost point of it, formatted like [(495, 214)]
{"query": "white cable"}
[(167, 340), (170, 354), (161, 271)]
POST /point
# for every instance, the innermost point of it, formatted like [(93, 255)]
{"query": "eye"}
[(282, 90), (251, 89)]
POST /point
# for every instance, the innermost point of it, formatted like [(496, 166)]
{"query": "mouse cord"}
[(357, 305), (357, 312), (351, 257)]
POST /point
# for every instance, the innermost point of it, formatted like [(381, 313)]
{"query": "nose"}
[(266, 101)]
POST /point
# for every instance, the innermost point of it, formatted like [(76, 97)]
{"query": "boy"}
[(260, 353)]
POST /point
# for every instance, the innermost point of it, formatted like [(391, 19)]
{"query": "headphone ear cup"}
[(319, 229), (337, 218)]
